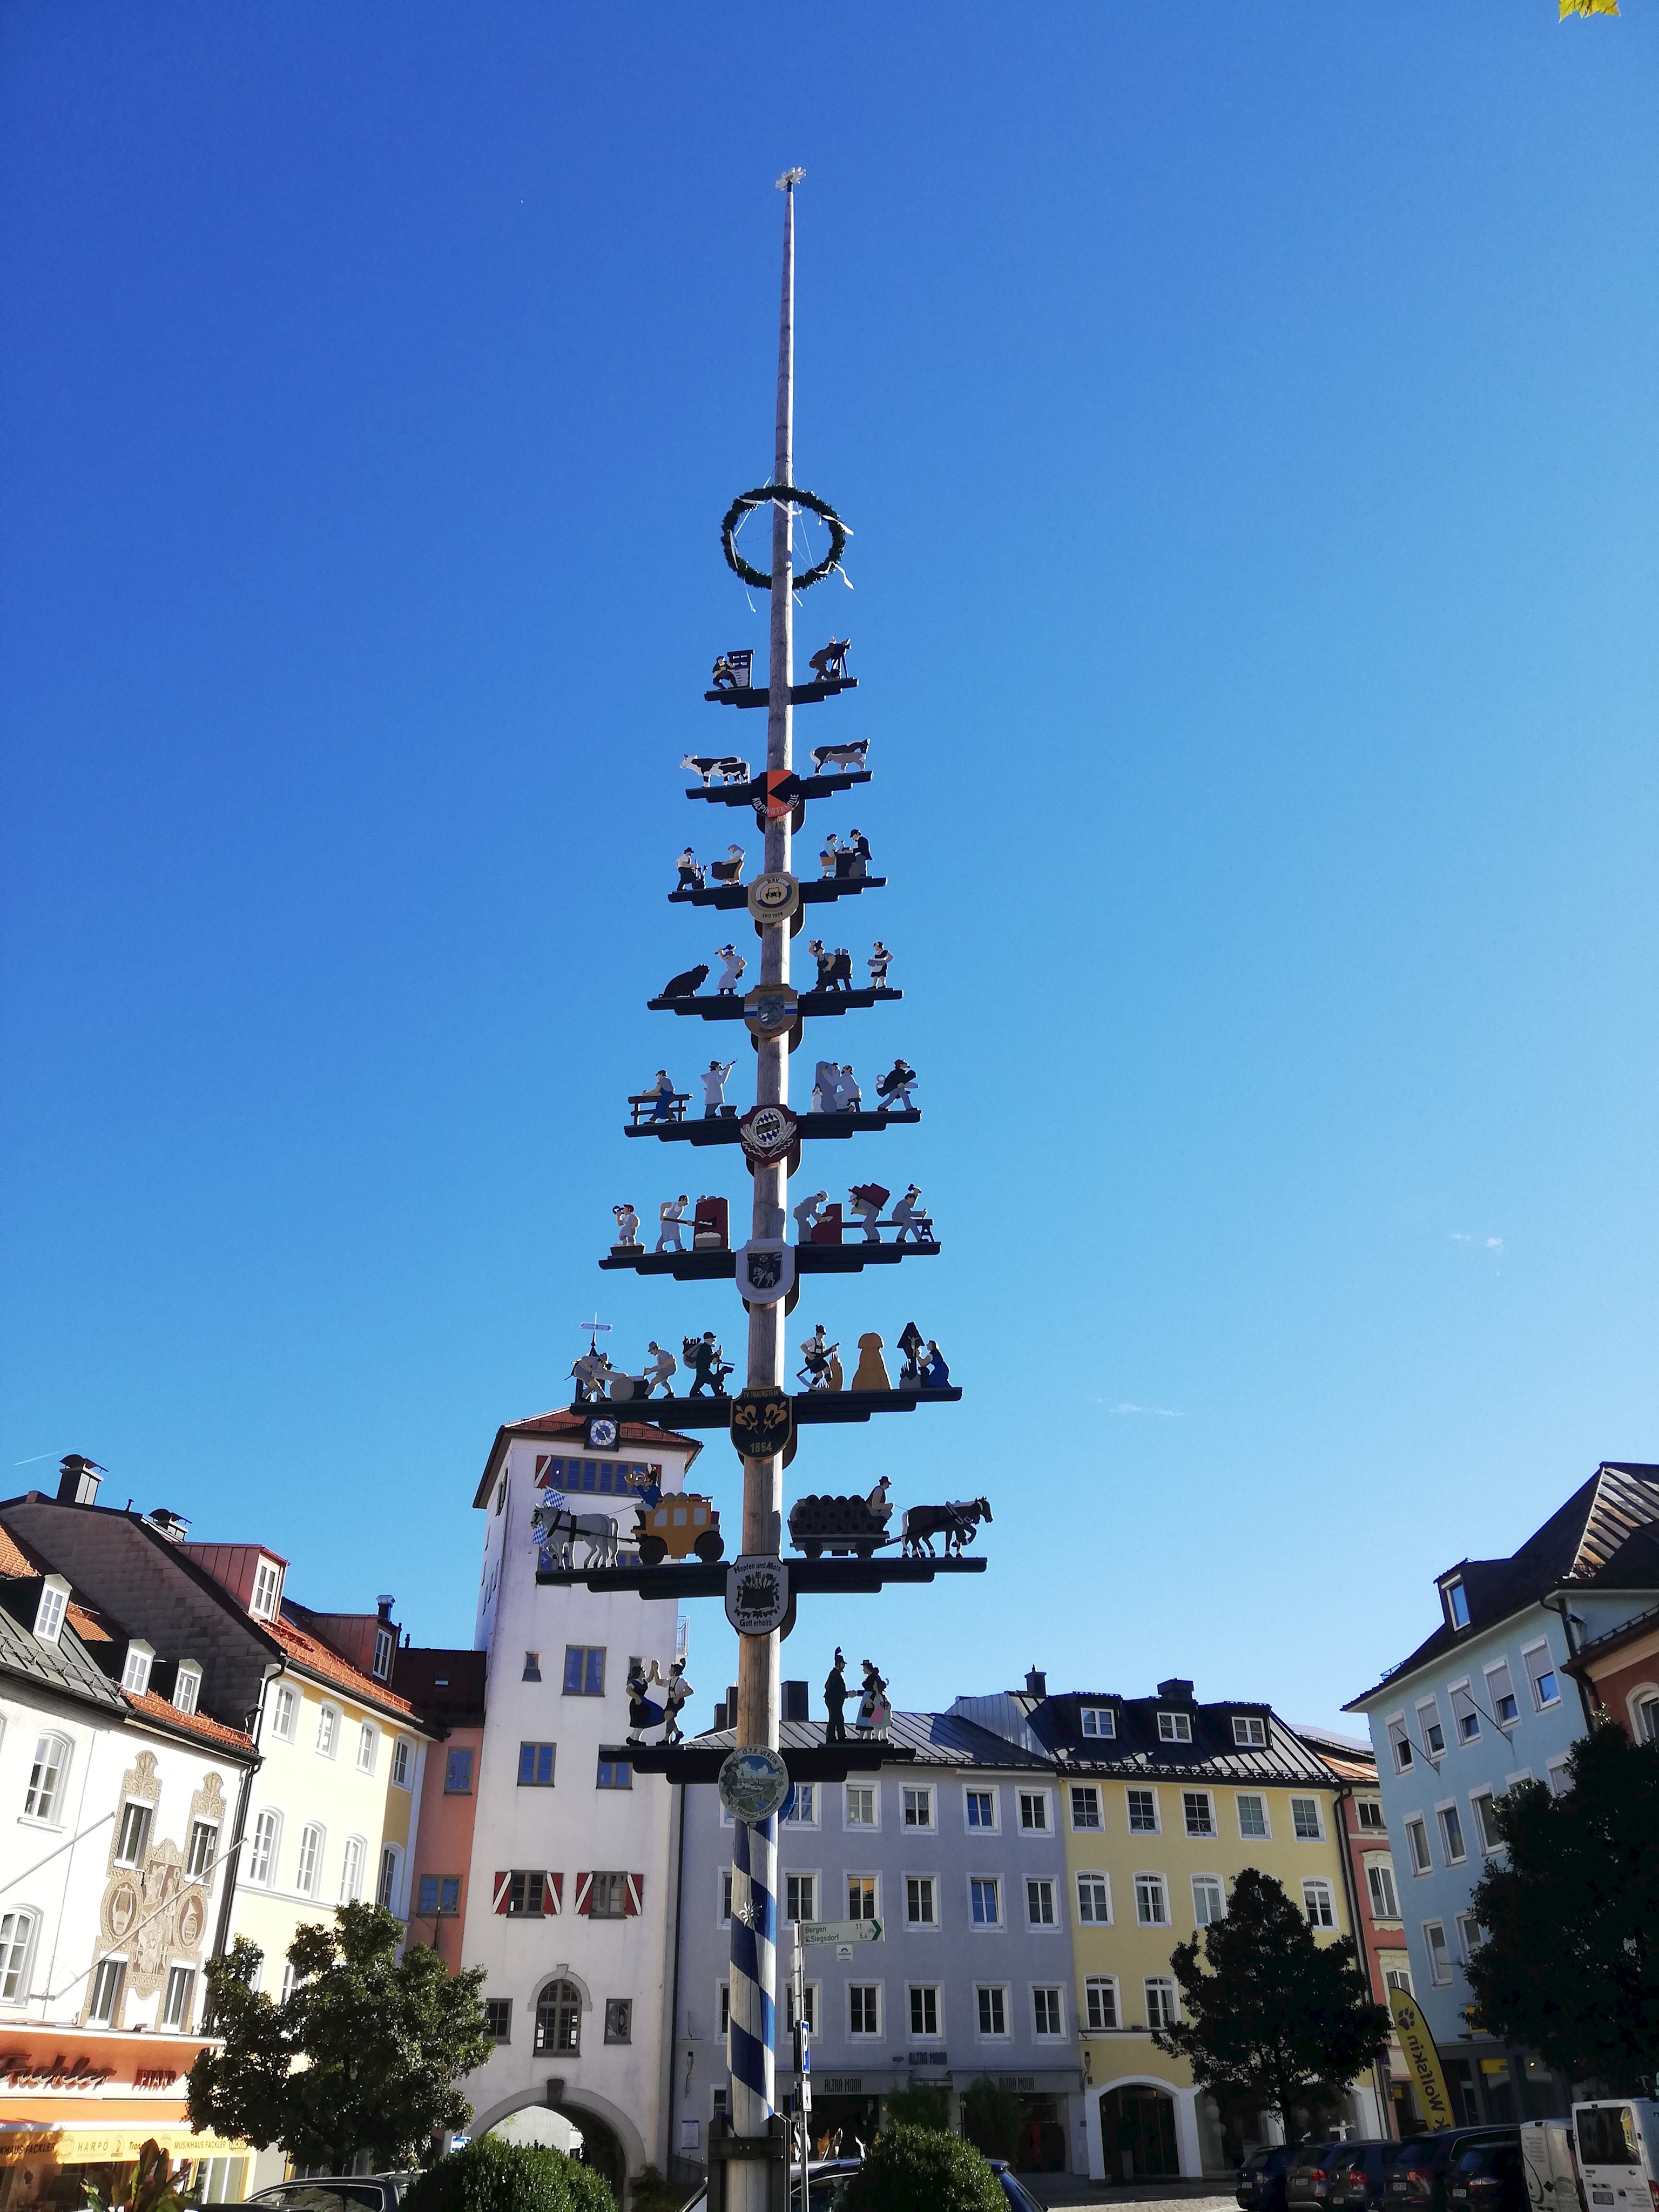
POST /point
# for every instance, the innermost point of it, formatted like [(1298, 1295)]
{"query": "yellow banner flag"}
[(1422, 2058), (1588, 8)]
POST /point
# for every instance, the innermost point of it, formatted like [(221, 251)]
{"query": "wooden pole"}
[(753, 2041)]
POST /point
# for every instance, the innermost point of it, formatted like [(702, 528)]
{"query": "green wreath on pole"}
[(747, 501)]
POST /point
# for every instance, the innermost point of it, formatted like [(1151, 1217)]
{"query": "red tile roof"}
[(318, 1658), (15, 1561), (564, 1423), (158, 1709)]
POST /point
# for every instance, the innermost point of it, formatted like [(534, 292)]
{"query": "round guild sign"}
[(753, 1784), (767, 1134), (774, 896)]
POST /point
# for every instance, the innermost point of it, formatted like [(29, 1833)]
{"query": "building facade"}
[(1162, 1801), (1486, 1701)]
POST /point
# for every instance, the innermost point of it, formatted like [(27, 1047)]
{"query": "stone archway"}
[(610, 2142)]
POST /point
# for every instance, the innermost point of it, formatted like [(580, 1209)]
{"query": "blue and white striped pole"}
[(754, 1977)]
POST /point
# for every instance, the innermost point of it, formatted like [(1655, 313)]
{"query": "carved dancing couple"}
[(874, 1712), (643, 1711)]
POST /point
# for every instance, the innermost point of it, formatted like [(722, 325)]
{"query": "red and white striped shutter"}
[(555, 1893), (583, 1892), (503, 1892), (542, 1460), (634, 1885)]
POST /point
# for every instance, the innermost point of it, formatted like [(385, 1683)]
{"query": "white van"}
[(1547, 2159), (1617, 2140)]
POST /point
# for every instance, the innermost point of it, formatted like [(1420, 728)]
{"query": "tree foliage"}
[(921, 2104), (1569, 1965), (1277, 2016), (363, 2055), (990, 2118), (493, 2175), (153, 2185), (920, 2170)]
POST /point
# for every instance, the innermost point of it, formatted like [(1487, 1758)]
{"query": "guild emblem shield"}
[(774, 896), (767, 1134), (766, 1270), (756, 1593), (782, 789), (771, 1010), (762, 1422)]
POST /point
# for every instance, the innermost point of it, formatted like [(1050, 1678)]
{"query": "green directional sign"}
[(838, 1931)]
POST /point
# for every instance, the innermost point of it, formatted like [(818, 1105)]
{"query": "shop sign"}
[(18, 2071)]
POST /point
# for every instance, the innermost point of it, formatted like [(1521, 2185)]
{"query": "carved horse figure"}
[(559, 1529), (958, 1524)]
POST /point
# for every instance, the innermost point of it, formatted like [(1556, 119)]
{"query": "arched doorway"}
[(1138, 2132), (574, 2130)]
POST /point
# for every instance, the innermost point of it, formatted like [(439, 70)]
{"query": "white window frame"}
[(352, 1893), (797, 1874), (136, 1667), (51, 1609), (1399, 1733), (1056, 1921), (1446, 1807), (982, 1790), (329, 1717), (921, 1927), (403, 1764), (1199, 1835), (262, 1871), (285, 1713), (1316, 1890), (1465, 1690), (802, 1794), (41, 1804), (1555, 1778), (1478, 1799), (1041, 1801), (1454, 1583), (1162, 1881), (172, 2015), (309, 1877), (1249, 1835), (1437, 1956), (986, 1927), (867, 2035), (1057, 1990), (388, 1880), (187, 1686), (1540, 1705), (861, 1827), (1095, 1985), (1143, 1790), (1430, 1706), (1089, 1919), (1175, 1727), (1092, 1790), (1297, 1833), (1166, 1986), (1104, 1718), (724, 1879), (17, 1952), (385, 1651), (1243, 1725), (1380, 1864), (105, 1992), (1469, 1928), (982, 2033), (267, 1589), (207, 1854), (859, 1874), (369, 1741), (120, 1855), (925, 1791), (1414, 1826), (1494, 1696), (1221, 1887), (936, 2033)]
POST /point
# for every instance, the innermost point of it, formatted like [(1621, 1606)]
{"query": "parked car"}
[(1551, 2170), (1361, 2176), (1017, 2195), (1618, 2141), (1309, 2176), (1416, 2179), (330, 2192), (827, 2179), (1488, 2177), (1261, 2177)]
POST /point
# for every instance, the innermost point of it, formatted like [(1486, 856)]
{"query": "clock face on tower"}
[(601, 1432)]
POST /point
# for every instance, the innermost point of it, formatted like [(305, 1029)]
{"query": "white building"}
[(569, 1908)]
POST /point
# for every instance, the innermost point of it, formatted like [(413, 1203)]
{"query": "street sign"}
[(838, 1931)]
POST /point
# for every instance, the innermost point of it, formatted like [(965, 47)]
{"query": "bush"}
[(923, 2104), (916, 2170), (990, 2118), (651, 2193), (495, 2176)]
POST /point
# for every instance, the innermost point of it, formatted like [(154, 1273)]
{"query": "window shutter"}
[(633, 1884), (503, 1892), (583, 1892), (553, 1894)]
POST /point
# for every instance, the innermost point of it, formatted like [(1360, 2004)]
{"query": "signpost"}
[(841, 1932)]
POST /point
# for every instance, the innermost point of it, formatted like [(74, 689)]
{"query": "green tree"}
[(1277, 2016), (990, 2118), (363, 2054), (1569, 1963), (493, 2175), (921, 2104), (919, 2170)]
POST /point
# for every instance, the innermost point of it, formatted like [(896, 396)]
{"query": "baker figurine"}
[(671, 1218)]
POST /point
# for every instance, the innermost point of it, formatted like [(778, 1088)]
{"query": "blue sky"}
[(1246, 419)]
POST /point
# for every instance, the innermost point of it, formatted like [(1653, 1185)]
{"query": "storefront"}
[(848, 2109), (77, 2106)]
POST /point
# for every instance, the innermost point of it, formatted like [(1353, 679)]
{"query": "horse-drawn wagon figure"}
[(845, 1528), (677, 1526), (957, 1523)]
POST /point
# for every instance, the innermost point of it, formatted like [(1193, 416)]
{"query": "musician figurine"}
[(628, 1229), (878, 962), (690, 872), (894, 1088), (671, 1218), (733, 964), (705, 1359), (874, 1712)]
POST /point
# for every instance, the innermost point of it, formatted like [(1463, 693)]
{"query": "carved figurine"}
[(871, 1373), (725, 677), (826, 963), (819, 1358), (690, 872), (894, 1088), (726, 766), (730, 870), (849, 1096), (868, 1199), (590, 1371), (859, 851), (675, 1694), (714, 1088), (878, 962), (709, 1225), (687, 984), (834, 1700), (643, 1711), (807, 1214), (851, 756), (661, 1091), (732, 965), (627, 1224), (874, 1712), (914, 1345), (826, 1087), (828, 663), (705, 1359), (661, 1369), (671, 1218), (911, 1219), (957, 1523), (939, 1375), (829, 857)]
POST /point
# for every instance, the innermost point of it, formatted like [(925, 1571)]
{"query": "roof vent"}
[(385, 1605), (1036, 1683), (1175, 1687), (78, 1478), (170, 1524), (795, 1706)]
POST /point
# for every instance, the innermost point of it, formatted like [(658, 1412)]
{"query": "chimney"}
[(77, 1479), (719, 1716), (794, 1702), (167, 1524), (385, 1605), (732, 1705), (1036, 1683), (1176, 1689)]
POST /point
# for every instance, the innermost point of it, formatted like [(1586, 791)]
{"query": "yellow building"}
[(1163, 1802)]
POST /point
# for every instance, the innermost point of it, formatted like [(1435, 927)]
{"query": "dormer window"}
[(54, 1604), (386, 1645), (267, 1589), (135, 1675), (1457, 1603), (1175, 1727), (1249, 1731), (1098, 1720), (187, 1686)]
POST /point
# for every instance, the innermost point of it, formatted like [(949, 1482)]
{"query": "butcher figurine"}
[(878, 962), (661, 1369), (627, 1224), (671, 1219), (690, 873), (713, 1087), (733, 964)]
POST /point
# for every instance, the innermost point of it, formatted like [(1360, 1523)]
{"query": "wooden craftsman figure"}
[(725, 675), (849, 1096), (690, 872), (817, 1354), (874, 1712), (627, 1224), (661, 1369), (703, 1356), (830, 857), (829, 663), (914, 1345), (807, 1214), (868, 1199), (939, 1375), (878, 962), (590, 1371), (871, 1373), (730, 870), (894, 1088), (661, 1092), (826, 963), (840, 970), (826, 1087), (643, 1711), (677, 1692), (859, 866), (911, 1218), (732, 965), (671, 1219), (714, 1088), (834, 1700)]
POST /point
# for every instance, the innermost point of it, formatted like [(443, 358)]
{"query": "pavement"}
[(1065, 2192)]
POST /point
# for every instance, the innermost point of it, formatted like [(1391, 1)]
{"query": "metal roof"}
[(936, 1739)]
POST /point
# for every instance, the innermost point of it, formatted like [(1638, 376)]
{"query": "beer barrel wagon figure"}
[(843, 1527), (681, 1523)]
